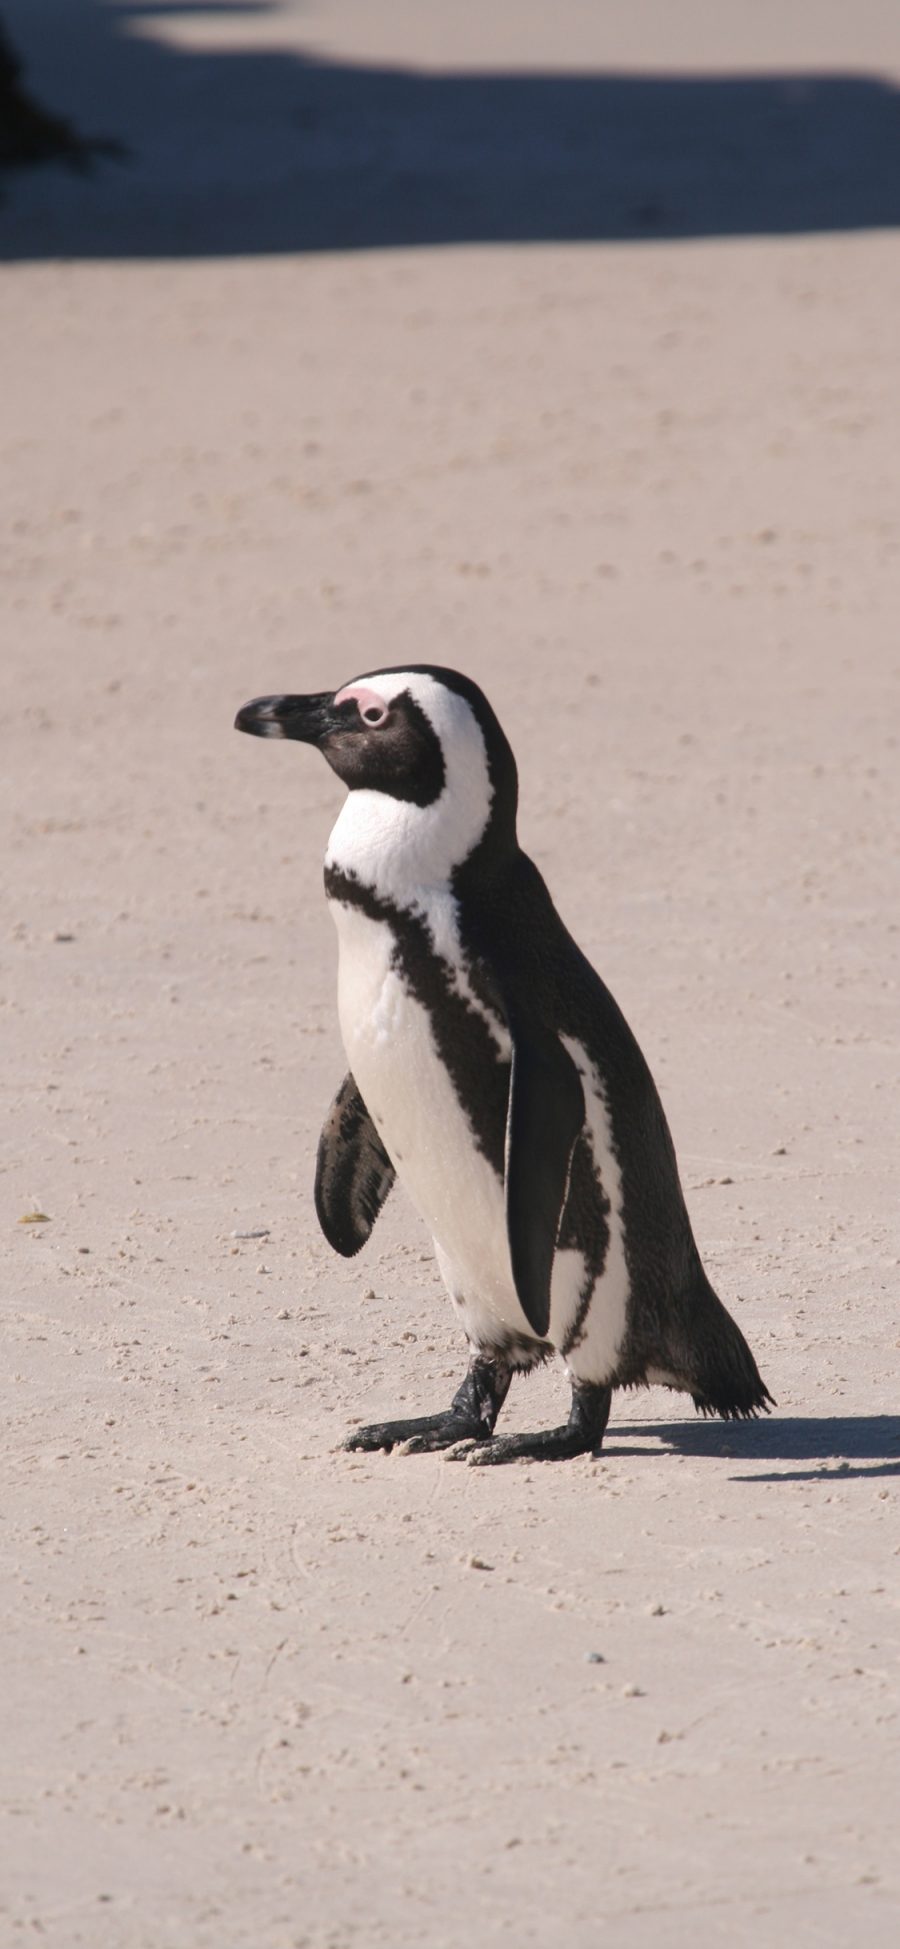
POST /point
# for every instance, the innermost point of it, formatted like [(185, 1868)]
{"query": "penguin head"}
[(420, 750)]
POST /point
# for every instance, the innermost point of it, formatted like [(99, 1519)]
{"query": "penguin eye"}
[(374, 714)]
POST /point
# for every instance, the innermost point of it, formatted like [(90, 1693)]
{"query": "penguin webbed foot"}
[(582, 1434), (470, 1416), (420, 1436), (548, 1445)]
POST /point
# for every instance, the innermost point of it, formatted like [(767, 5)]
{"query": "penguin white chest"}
[(390, 1042)]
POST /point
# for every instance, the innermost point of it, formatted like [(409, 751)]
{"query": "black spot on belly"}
[(462, 1037)]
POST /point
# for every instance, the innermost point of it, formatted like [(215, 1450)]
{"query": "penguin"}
[(492, 1072)]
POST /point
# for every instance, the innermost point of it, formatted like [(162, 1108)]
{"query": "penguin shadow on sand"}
[(815, 1448)]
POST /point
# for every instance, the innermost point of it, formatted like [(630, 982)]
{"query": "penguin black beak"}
[(309, 719)]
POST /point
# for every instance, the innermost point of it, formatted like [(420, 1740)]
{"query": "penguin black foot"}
[(582, 1435), (470, 1417), (420, 1436)]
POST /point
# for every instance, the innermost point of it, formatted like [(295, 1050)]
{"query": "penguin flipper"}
[(354, 1173), (545, 1115)]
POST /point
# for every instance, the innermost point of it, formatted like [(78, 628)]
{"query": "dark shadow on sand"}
[(242, 152), (843, 1446)]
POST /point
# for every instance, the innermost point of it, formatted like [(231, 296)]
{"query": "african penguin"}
[(493, 1073)]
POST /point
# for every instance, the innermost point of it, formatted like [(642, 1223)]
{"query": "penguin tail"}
[(749, 1408), (721, 1374)]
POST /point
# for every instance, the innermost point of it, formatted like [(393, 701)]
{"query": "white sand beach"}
[(340, 371)]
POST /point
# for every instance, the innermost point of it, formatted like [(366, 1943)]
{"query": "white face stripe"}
[(399, 848)]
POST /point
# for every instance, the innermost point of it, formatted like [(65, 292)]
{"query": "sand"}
[(259, 1693)]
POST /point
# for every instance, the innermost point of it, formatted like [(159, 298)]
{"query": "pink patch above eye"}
[(372, 708)]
